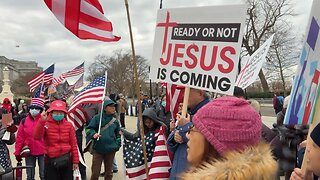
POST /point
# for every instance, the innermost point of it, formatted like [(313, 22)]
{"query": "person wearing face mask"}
[(28, 147), (61, 149)]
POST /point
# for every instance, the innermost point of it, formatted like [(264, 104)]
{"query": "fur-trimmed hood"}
[(251, 164)]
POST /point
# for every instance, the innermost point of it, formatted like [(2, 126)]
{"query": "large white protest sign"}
[(250, 71), (198, 47)]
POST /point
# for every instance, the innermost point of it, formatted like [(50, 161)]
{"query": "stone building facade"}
[(17, 68)]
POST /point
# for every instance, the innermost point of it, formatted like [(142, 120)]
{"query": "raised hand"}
[(44, 116)]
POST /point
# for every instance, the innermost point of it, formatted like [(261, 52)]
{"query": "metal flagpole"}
[(103, 97), (137, 92)]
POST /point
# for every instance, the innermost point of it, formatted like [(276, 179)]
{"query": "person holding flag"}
[(156, 149), (151, 123), (107, 140), (26, 145)]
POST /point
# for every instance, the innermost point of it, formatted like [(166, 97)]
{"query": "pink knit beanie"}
[(229, 123)]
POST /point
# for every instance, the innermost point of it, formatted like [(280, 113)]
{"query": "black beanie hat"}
[(315, 135)]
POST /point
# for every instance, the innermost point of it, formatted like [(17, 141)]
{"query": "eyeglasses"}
[(191, 128)]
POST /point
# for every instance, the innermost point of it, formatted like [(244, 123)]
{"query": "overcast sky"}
[(30, 25)]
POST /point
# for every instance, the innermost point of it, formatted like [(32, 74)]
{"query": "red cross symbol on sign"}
[(166, 24)]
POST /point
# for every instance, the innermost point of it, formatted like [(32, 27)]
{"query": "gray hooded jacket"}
[(151, 114)]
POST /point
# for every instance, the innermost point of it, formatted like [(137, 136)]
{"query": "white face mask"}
[(34, 112)]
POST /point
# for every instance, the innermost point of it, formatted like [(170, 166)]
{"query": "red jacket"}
[(25, 137), (59, 138)]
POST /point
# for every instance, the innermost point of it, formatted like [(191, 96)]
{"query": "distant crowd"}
[(220, 138)]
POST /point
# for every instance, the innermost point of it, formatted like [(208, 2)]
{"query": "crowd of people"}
[(220, 138)]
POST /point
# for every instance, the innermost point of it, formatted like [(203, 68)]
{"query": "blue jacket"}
[(180, 162), (194, 110)]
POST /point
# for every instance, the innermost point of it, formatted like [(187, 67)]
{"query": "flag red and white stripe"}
[(45, 76), (74, 72), (35, 81), (78, 116), (38, 98), (84, 18), (57, 80), (174, 96), (77, 84), (160, 162), (93, 93), (161, 159)]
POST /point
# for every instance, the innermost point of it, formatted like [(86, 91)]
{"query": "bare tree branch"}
[(120, 71), (262, 17)]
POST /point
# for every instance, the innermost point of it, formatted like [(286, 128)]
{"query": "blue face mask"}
[(34, 112), (163, 103), (57, 117)]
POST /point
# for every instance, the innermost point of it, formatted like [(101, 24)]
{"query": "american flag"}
[(174, 96), (78, 116), (93, 93), (38, 98), (64, 90), (159, 161), (45, 76), (75, 72), (57, 80), (77, 84), (71, 88), (84, 18)]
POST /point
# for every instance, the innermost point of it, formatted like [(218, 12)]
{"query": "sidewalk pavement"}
[(267, 105), (120, 175), (269, 120)]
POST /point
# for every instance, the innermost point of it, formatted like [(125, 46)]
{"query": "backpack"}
[(280, 100)]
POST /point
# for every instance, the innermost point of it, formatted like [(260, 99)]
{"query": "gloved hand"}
[(18, 158)]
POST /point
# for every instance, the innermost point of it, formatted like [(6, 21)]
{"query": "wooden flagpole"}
[(137, 92), (185, 101)]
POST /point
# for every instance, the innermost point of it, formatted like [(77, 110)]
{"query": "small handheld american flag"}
[(38, 98)]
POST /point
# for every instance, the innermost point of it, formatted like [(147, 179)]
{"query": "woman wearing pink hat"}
[(224, 143), (61, 151)]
